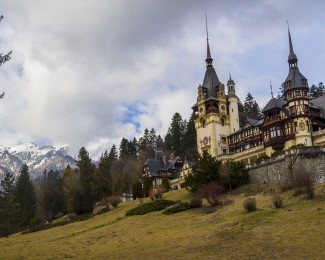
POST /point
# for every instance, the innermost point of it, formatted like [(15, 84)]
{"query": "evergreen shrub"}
[(146, 208), (179, 207), (250, 204), (196, 202)]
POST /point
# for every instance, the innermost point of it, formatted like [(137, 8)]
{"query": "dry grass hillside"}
[(296, 231)]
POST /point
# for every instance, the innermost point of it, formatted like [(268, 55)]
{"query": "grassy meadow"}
[(296, 231)]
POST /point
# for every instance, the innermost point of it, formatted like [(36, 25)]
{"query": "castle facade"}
[(290, 121)]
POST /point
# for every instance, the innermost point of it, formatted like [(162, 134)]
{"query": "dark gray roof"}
[(296, 78), (254, 122), (211, 81), (157, 166), (318, 102), (292, 56), (274, 103)]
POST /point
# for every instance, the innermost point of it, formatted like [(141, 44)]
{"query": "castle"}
[(293, 126), (290, 121)]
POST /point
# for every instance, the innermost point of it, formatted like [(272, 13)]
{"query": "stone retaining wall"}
[(311, 159)]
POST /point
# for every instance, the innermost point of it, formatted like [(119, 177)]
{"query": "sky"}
[(87, 73)]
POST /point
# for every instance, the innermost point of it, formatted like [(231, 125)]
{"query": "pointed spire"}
[(208, 60), (271, 89), (292, 58)]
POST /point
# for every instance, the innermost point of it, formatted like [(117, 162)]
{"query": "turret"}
[(296, 95), (233, 106)]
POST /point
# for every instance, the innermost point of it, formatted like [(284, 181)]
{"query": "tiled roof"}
[(274, 103)]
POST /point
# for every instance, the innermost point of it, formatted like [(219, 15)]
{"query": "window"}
[(224, 151), (289, 95), (275, 131), (232, 110), (203, 124), (223, 139), (298, 94), (222, 121)]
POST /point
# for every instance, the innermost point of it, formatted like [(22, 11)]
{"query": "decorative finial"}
[(229, 75), (208, 60), (206, 26), (271, 88)]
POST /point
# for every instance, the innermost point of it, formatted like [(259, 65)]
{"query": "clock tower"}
[(215, 113)]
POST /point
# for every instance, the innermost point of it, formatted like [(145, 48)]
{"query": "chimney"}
[(164, 159)]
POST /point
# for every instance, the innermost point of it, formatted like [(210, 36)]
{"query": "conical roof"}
[(211, 80), (296, 79)]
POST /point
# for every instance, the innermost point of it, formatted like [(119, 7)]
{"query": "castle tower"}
[(211, 112), (233, 106), (296, 95)]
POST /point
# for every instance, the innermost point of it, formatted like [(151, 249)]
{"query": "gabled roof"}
[(274, 103), (157, 166), (254, 122)]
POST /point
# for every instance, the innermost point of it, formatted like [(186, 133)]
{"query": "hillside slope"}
[(224, 232)]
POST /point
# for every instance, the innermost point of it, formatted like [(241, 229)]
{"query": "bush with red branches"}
[(211, 192)]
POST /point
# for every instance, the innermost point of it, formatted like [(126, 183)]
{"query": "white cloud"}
[(78, 68)]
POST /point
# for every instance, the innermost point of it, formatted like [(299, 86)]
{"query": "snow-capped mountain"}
[(38, 159)]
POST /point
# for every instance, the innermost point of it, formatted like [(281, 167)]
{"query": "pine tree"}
[(137, 190), (143, 144), (125, 182), (173, 139), (132, 149), (205, 171), (317, 91), (53, 195), (189, 141), (25, 196), (86, 168), (147, 185), (160, 143), (250, 109), (99, 185), (105, 164), (152, 144), (113, 153), (70, 186), (123, 151), (8, 207)]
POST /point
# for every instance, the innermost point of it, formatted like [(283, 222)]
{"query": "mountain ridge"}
[(38, 159)]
